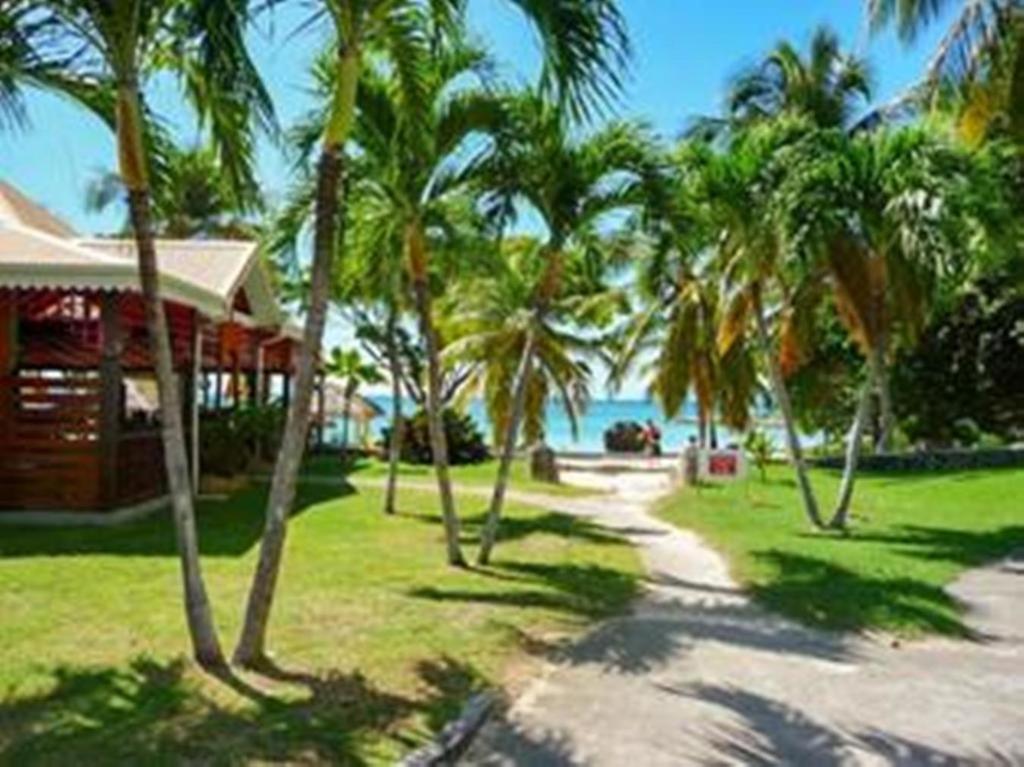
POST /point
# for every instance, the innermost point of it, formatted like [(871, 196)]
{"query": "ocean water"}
[(600, 415)]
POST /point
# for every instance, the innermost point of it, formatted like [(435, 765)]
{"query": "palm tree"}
[(491, 319), (673, 340), (572, 185), (737, 191), (194, 198), (975, 39), (355, 372), (585, 46), (891, 217), (373, 292), (103, 55), (827, 87)]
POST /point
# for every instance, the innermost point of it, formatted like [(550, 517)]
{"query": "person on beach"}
[(652, 439)]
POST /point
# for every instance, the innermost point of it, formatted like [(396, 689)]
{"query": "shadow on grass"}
[(764, 731), (584, 591), (514, 528), (159, 713), (226, 528), (822, 593)]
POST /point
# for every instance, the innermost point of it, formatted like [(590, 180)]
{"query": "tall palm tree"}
[(975, 38), (890, 218), (572, 184), (585, 46), (737, 190), (490, 320), (826, 87), (103, 54), (673, 340)]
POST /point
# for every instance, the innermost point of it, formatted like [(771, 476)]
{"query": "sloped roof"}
[(17, 208), (38, 250)]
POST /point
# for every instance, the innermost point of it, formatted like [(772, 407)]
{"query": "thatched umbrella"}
[(355, 408)]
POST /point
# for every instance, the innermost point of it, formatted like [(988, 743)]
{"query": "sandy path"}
[(697, 675)]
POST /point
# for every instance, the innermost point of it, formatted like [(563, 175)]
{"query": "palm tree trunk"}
[(395, 444), (508, 451), (251, 647), (796, 454), (417, 253), (860, 419), (132, 162), (880, 375)]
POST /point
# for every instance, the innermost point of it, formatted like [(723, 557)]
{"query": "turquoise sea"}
[(600, 415)]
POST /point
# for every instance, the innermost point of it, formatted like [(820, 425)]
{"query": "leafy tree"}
[(103, 55), (968, 364), (571, 184)]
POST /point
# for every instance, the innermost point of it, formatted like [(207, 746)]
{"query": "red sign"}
[(723, 465)]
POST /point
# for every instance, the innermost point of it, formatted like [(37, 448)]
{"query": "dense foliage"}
[(465, 441), (625, 437), (966, 373), (231, 441)]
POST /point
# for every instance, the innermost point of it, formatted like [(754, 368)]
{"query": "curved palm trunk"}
[(796, 453), (508, 451), (395, 444), (132, 161), (880, 375), (251, 647), (842, 511), (417, 253)]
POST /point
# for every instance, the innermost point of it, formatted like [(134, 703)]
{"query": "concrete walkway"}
[(698, 675)]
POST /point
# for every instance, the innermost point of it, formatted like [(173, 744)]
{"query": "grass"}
[(473, 475), (378, 642), (911, 536)]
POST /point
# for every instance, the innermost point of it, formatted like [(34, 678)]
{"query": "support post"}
[(8, 325), (111, 383), (197, 371), (320, 383), (286, 389)]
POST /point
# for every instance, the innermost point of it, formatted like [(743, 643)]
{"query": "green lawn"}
[(378, 641), (911, 536), (474, 475)]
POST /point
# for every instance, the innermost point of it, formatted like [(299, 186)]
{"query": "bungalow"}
[(74, 354)]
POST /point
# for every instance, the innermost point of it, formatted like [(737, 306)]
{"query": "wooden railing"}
[(49, 442)]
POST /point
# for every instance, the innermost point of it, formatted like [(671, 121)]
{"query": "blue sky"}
[(685, 52)]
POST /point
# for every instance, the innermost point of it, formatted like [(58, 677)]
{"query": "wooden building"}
[(73, 337)]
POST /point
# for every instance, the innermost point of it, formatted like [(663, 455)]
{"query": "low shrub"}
[(231, 440), (625, 437), (466, 443)]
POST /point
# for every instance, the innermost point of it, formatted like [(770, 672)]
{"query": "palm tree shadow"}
[(765, 731), (227, 528), (819, 592), (164, 712)]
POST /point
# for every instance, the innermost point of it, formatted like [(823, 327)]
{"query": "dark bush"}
[(231, 440), (465, 442), (625, 437)]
